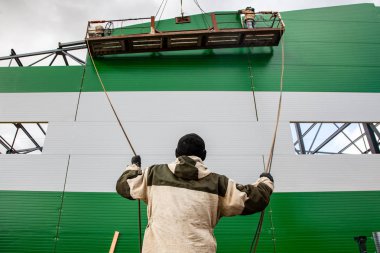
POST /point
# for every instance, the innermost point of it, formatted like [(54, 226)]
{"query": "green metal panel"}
[(41, 79), (329, 220), (302, 222), (198, 70), (89, 221), (355, 12), (28, 221)]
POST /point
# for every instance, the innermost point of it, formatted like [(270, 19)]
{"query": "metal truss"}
[(63, 51), (336, 138), (28, 139)]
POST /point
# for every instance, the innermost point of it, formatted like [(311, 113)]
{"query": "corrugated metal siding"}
[(302, 222), (33, 172), (198, 70), (90, 219), (171, 106), (160, 138), (28, 221), (38, 107), (41, 79), (319, 106), (320, 173)]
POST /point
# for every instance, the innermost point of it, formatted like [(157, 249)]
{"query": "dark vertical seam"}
[(56, 238), (272, 228), (251, 81), (263, 162), (80, 93)]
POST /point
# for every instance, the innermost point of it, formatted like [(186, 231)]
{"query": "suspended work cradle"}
[(104, 39)]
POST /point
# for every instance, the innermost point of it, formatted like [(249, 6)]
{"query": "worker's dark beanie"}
[(191, 144)]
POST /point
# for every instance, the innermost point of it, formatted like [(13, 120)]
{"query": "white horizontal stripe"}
[(160, 138), (319, 173), (89, 173), (33, 107), (168, 106), (33, 172), (292, 173), (319, 106), (234, 139), (98, 173)]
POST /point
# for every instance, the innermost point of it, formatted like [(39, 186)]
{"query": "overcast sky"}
[(36, 25)]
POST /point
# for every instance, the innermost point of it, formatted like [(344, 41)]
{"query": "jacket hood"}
[(189, 168)]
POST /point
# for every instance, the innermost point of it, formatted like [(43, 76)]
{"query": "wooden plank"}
[(114, 241)]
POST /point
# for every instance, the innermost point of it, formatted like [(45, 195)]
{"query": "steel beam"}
[(74, 58), (13, 53), (27, 150), (306, 132), (374, 129), (351, 141), (371, 138), (70, 44), (52, 61), (28, 134), (315, 137), (6, 145), (43, 131), (350, 144), (47, 56), (300, 138), (332, 136), (84, 46), (65, 59)]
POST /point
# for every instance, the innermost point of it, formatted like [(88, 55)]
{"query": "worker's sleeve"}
[(132, 184), (246, 199)]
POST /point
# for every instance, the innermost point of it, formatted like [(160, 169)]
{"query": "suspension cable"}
[(181, 9), (204, 17), (159, 8), (268, 166), (122, 128), (162, 12)]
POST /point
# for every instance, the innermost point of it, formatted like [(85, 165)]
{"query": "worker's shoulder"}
[(158, 166)]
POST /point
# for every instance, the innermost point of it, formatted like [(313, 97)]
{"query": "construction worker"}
[(249, 17), (186, 200)]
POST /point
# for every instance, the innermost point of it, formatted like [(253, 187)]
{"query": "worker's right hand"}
[(136, 160)]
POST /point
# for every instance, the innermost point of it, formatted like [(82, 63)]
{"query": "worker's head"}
[(191, 145), (250, 9)]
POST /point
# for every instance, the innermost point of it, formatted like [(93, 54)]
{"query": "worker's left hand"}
[(136, 160), (268, 175)]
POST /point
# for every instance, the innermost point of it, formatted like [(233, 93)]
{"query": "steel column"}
[(300, 138), (371, 138)]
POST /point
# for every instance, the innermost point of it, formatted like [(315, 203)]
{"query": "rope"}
[(122, 128), (268, 167)]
